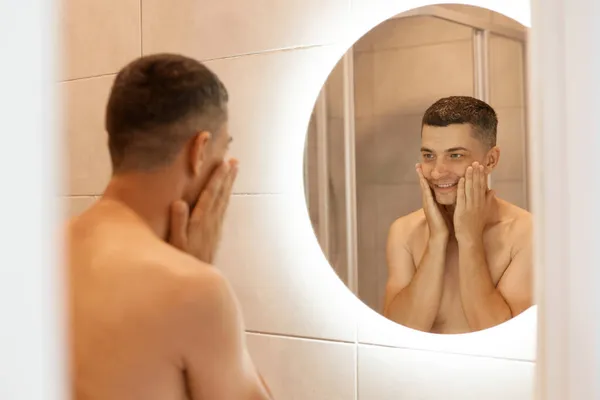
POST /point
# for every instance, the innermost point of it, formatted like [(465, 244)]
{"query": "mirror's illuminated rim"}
[(513, 339)]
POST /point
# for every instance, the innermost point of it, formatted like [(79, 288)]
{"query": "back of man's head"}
[(156, 105)]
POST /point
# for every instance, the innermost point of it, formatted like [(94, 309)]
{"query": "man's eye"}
[(455, 156), (428, 156)]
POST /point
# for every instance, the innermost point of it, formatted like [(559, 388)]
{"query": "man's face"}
[(446, 152)]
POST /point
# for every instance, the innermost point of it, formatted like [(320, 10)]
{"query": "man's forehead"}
[(453, 129), (450, 136)]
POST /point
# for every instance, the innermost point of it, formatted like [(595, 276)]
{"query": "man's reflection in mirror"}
[(463, 262)]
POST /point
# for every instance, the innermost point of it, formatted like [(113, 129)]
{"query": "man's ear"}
[(491, 159), (198, 147)]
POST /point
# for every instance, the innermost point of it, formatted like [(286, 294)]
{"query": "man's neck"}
[(449, 210), (448, 214), (149, 195)]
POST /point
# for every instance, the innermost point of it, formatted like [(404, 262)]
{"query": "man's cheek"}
[(426, 172)]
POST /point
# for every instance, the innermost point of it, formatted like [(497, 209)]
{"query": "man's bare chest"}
[(498, 255)]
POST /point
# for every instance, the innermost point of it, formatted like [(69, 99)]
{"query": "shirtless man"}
[(150, 318), (463, 262)]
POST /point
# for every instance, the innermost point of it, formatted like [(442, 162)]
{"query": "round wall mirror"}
[(416, 171)]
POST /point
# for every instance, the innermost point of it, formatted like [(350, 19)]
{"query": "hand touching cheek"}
[(472, 204)]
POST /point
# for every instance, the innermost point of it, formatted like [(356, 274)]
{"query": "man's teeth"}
[(447, 185)]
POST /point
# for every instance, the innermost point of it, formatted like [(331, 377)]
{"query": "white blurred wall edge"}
[(564, 102), (32, 345)]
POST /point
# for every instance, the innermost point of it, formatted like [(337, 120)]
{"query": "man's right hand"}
[(438, 228), (199, 233)]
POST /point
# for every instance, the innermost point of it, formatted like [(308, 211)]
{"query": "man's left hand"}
[(472, 204)]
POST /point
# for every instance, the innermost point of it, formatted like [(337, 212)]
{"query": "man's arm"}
[(484, 304), (215, 355), (413, 295), (516, 284)]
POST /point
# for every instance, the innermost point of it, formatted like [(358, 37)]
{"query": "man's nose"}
[(439, 169)]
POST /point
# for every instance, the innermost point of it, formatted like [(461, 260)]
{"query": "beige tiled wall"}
[(409, 374), (302, 321), (99, 37), (507, 96), (75, 205)]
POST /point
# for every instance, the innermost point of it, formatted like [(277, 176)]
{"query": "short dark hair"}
[(157, 103), (464, 110)]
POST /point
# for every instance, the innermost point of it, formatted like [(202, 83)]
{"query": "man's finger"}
[(460, 194), (482, 185), (211, 192), (425, 189), (228, 187), (225, 186), (483, 179), (475, 199), (179, 224), (468, 190)]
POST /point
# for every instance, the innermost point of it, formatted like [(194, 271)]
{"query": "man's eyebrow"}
[(453, 149), (426, 150)]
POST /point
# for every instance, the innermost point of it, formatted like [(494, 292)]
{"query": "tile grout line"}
[(83, 78), (451, 353), (219, 58), (382, 346), (270, 51), (290, 336)]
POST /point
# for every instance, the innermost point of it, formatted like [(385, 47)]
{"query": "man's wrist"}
[(438, 239), (468, 239)]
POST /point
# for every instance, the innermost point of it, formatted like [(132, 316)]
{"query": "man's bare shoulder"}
[(200, 293), (519, 221), (517, 215), (189, 281), (409, 225), (121, 248)]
